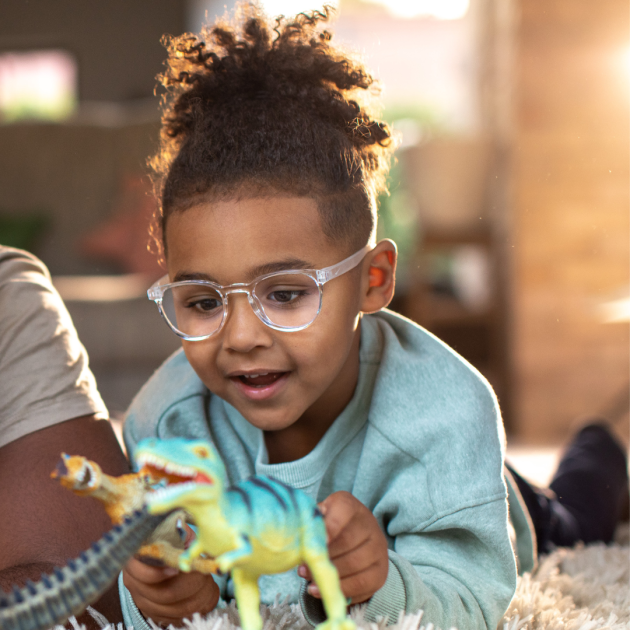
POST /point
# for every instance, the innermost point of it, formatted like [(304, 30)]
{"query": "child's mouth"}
[(261, 385), (260, 380)]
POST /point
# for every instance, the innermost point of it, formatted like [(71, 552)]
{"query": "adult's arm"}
[(43, 524)]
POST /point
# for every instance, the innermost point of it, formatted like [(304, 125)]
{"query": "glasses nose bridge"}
[(240, 287)]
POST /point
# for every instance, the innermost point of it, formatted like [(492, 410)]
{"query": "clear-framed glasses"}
[(283, 300)]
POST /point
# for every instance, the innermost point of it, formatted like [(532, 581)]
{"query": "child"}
[(268, 175)]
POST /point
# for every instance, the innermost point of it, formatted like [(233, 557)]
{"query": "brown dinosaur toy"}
[(122, 496)]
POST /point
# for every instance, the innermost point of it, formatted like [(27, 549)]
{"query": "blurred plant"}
[(398, 221), (23, 230), (398, 216)]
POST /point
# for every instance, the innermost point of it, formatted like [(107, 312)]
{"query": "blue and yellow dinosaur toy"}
[(258, 526)]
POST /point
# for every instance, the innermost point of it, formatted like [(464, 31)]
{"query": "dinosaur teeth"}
[(180, 471), (164, 493), (168, 467), (146, 459)]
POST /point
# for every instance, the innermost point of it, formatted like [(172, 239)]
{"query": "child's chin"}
[(268, 419)]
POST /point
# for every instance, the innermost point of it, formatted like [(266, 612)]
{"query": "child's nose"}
[(243, 331)]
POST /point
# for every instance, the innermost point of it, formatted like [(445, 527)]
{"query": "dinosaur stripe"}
[(265, 485), (67, 592), (246, 500)]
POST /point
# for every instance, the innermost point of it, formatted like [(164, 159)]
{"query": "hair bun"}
[(272, 102)]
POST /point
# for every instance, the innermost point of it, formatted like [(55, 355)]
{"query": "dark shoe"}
[(592, 482), (554, 525)]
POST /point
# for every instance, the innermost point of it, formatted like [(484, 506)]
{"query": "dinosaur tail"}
[(68, 591)]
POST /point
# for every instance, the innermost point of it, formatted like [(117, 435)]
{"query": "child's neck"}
[(300, 438)]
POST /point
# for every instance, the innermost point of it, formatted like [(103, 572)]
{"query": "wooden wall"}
[(570, 228)]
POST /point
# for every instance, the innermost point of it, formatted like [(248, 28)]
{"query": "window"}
[(39, 85)]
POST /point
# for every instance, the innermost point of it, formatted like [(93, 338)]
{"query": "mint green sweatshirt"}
[(421, 444)]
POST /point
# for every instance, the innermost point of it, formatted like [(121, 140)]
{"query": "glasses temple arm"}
[(324, 275)]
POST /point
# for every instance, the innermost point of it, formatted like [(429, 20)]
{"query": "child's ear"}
[(379, 276)]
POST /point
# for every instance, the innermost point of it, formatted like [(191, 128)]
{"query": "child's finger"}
[(313, 590), (338, 510), (304, 572), (360, 575), (149, 574), (350, 587), (354, 561), (201, 601), (359, 587), (172, 591), (350, 540)]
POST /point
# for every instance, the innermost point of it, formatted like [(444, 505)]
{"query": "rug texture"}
[(583, 588)]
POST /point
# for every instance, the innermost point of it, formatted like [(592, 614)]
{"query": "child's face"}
[(312, 373)]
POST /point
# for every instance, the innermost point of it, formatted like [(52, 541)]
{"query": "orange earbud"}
[(377, 275)]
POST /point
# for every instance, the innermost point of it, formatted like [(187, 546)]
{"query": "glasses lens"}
[(195, 310), (289, 300)]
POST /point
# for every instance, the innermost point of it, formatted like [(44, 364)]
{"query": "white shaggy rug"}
[(583, 588)]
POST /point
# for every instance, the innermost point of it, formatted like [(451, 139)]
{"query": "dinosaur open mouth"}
[(173, 474), (86, 477), (75, 473)]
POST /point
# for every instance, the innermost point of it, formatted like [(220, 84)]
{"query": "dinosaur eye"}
[(202, 452)]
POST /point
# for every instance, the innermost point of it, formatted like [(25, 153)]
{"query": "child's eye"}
[(290, 291), (204, 305), (285, 297)]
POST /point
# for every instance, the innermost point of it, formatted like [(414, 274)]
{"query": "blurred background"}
[(509, 197)]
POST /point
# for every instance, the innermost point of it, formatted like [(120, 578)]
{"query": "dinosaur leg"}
[(193, 552), (327, 579), (243, 550), (247, 599)]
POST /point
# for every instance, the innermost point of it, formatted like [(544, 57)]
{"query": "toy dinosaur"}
[(123, 495), (258, 526), (67, 592)]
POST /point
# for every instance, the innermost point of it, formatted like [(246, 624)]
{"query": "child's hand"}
[(167, 595), (356, 545)]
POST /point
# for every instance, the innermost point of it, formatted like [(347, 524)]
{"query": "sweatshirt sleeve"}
[(132, 616), (457, 569)]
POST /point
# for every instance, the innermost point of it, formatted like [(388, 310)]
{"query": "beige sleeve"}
[(44, 374)]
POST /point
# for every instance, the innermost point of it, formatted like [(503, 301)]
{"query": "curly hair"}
[(254, 108)]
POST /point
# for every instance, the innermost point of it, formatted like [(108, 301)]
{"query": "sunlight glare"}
[(292, 7), (440, 9)]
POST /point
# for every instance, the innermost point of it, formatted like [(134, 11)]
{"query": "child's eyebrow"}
[(260, 270), (281, 265)]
